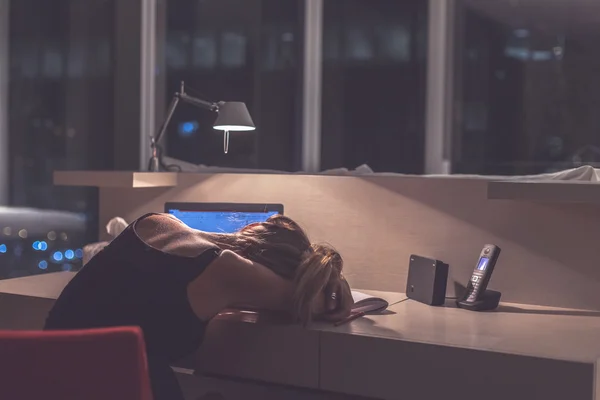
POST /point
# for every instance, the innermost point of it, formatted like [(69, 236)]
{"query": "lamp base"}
[(154, 164)]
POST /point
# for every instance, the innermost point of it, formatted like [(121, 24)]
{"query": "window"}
[(236, 50), (59, 110), (526, 86), (374, 77)]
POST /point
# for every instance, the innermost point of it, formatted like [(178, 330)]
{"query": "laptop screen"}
[(221, 217)]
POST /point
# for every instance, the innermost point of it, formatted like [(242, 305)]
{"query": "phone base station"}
[(489, 301)]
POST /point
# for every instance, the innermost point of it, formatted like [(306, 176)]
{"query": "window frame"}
[(4, 66)]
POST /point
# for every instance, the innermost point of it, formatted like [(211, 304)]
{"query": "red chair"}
[(92, 364)]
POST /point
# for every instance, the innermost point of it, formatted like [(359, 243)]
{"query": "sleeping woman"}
[(170, 280)]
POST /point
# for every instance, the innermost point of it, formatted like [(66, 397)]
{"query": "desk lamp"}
[(232, 116)]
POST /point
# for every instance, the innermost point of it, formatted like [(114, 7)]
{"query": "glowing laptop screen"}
[(228, 218)]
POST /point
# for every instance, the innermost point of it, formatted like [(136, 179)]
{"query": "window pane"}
[(374, 84), (234, 50), (60, 116), (526, 86)]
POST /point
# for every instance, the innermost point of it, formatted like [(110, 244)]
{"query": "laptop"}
[(222, 217)]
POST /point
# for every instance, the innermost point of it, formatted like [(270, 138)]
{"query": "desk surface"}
[(47, 286), (554, 333)]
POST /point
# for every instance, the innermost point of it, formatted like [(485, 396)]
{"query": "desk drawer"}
[(279, 354), (209, 388), (394, 369)]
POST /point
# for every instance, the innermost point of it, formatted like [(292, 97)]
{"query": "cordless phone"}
[(477, 297)]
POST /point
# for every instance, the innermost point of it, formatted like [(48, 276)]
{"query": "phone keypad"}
[(474, 287)]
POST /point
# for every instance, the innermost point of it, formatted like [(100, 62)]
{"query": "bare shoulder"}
[(155, 221), (172, 236)]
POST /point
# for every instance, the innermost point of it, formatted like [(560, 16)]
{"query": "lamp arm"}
[(207, 105), (163, 127)]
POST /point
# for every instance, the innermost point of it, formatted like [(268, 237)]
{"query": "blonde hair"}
[(281, 245)]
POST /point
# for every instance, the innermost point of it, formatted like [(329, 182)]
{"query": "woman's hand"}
[(338, 300)]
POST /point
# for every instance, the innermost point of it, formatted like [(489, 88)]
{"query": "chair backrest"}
[(91, 364)]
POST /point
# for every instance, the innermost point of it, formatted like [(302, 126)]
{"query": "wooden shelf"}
[(545, 191), (122, 179)]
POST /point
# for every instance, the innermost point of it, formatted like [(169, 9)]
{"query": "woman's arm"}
[(252, 284), (232, 280)]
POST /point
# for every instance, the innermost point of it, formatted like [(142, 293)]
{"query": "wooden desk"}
[(415, 351)]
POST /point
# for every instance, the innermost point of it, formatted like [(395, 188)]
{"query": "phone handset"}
[(477, 297)]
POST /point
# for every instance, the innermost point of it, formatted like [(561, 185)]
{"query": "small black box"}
[(427, 280)]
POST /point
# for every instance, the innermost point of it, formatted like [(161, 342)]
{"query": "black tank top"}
[(132, 283)]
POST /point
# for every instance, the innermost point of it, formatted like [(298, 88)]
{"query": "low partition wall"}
[(549, 250)]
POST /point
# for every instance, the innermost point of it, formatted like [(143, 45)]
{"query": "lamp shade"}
[(233, 116)]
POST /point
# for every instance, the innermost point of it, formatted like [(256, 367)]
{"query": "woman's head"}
[(281, 245)]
